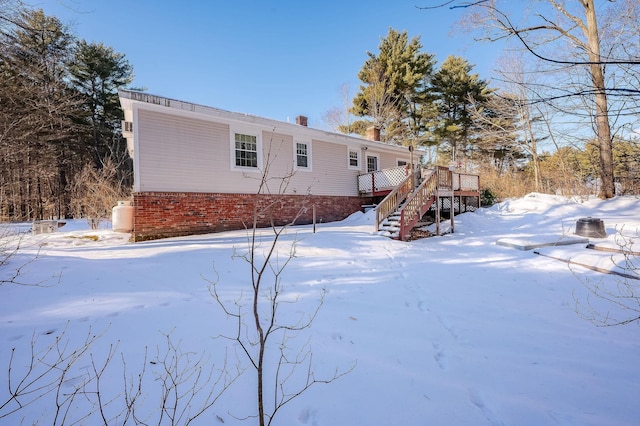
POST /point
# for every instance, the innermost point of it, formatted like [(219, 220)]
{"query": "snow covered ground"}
[(449, 330)]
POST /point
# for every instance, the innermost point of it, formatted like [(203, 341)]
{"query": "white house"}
[(199, 169)]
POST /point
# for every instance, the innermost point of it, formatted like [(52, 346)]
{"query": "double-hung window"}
[(246, 150), (302, 155), (354, 159)]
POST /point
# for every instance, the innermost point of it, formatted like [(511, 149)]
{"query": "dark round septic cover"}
[(590, 227)]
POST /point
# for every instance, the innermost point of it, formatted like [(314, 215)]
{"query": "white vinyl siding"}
[(177, 153), (184, 152)]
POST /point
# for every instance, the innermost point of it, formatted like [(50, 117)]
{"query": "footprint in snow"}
[(307, 416), (439, 356), (476, 399)]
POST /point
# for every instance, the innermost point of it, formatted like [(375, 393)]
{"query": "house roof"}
[(129, 97)]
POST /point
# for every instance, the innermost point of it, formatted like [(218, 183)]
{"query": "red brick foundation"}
[(171, 214)]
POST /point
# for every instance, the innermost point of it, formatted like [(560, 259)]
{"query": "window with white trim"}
[(372, 163), (246, 150), (302, 155), (402, 163), (245, 145), (354, 159)]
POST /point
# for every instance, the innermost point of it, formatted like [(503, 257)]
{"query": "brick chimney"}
[(373, 134), (301, 120)]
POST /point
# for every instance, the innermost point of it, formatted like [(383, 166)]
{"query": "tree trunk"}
[(603, 131)]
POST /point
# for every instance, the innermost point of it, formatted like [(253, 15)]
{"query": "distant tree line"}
[(568, 95), (59, 117)]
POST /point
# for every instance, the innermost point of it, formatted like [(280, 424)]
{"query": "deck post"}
[(437, 213), (453, 213)]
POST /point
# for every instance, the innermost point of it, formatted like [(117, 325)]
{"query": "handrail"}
[(418, 203), (391, 202), (413, 204)]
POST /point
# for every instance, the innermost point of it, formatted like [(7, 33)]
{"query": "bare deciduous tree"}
[(617, 301), (338, 117), (95, 192), (568, 37), (12, 240), (62, 382), (265, 338), (187, 384), (47, 368)]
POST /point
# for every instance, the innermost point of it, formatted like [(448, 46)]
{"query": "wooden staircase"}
[(403, 208), (409, 195)]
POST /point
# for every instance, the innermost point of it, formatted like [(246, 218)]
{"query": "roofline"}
[(127, 97)]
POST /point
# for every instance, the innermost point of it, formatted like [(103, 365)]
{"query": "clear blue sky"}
[(274, 59)]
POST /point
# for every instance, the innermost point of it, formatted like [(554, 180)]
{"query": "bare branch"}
[(257, 318)]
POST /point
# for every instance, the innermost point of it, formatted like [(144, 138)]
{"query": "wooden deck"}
[(409, 196)]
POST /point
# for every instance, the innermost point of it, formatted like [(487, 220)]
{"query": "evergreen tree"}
[(395, 88), (456, 90), (97, 72), (59, 111)]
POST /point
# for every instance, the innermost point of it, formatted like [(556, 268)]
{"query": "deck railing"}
[(445, 178), (382, 179), (412, 202), (466, 182)]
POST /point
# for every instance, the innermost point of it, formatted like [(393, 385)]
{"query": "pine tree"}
[(97, 72), (59, 110), (456, 89), (395, 87)]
